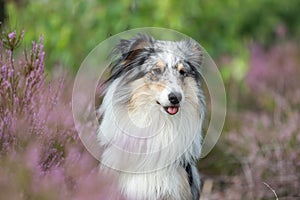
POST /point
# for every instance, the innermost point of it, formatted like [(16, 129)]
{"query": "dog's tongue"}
[(172, 110)]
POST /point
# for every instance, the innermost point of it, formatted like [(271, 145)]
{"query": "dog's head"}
[(159, 74)]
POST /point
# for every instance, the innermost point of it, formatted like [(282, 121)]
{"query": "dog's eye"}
[(156, 71), (182, 72)]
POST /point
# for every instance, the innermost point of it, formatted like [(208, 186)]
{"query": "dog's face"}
[(163, 75), (167, 81)]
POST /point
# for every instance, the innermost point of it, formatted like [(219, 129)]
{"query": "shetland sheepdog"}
[(153, 110)]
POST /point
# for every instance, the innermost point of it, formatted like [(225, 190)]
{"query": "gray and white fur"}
[(153, 110)]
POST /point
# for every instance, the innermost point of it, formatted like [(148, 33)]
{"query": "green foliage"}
[(73, 27)]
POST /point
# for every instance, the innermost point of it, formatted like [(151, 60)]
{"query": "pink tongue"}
[(172, 110)]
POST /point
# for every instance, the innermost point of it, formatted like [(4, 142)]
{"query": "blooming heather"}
[(41, 156), (276, 68), (266, 140)]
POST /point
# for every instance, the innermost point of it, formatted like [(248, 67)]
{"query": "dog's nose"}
[(174, 98)]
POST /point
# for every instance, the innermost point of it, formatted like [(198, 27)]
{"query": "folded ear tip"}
[(140, 41), (192, 51)]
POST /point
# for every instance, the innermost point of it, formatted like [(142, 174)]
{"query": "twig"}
[(274, 192)]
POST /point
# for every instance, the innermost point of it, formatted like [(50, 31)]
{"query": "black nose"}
[(174, 98)]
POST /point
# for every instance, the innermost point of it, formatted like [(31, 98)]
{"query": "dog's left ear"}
[(133, 48), (192, 52)]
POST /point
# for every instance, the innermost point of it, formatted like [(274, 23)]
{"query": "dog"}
[(153, 109)]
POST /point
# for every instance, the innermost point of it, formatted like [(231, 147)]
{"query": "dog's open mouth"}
[(171, 110)]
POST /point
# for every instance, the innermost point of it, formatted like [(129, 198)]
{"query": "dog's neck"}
[(135, 146)]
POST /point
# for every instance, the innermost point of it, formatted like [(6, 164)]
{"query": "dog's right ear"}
[(132, 49), (130, 54)]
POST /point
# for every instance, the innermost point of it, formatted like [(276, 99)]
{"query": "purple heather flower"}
[(12, 36)]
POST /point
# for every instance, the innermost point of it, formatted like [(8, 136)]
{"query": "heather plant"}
[(41, 156), (265, 141), (268, 152), (275, 71), (22, 92)]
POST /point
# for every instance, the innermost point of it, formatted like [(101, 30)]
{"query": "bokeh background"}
[(254, 43)]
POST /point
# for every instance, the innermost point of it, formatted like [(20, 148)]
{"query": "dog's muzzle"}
[(174, 99)]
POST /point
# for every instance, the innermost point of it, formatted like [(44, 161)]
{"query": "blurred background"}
[(255, 44)]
